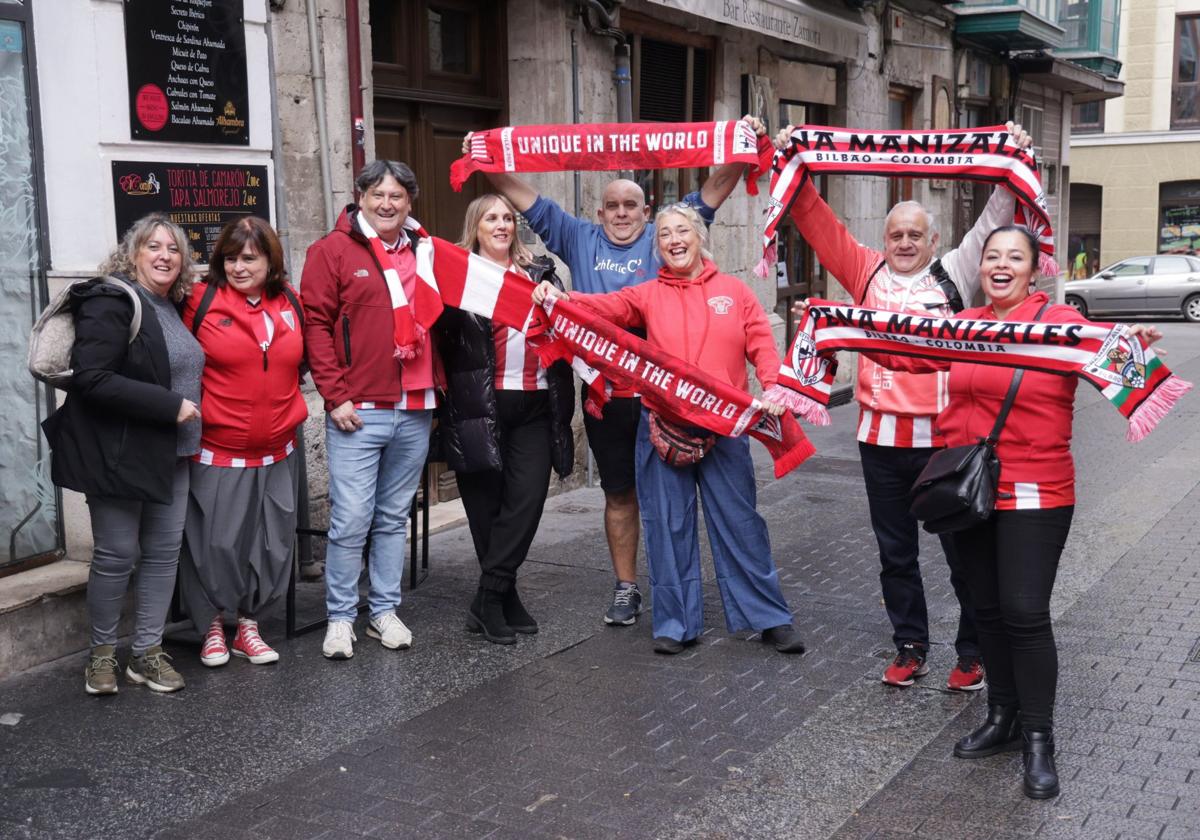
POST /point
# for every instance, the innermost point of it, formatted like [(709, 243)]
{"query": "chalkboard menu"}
[(187, 71), (201, 198)]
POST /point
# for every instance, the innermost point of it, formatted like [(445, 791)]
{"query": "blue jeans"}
[(373, 475), (746, 574)]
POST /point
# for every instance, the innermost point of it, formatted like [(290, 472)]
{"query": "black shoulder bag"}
[(957, 488)]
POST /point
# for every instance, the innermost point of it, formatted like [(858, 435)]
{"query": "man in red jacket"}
[(896, 433), (379, 407)]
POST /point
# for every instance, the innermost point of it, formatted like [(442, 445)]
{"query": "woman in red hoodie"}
[(241, 516), (1014, 555), (715, 322)]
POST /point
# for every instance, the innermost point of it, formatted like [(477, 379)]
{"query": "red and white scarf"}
[(410, 319), (604, 355), (978, 154), (607, 147), (1126, 371)]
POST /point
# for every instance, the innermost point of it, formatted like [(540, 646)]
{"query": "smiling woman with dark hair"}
[(241, 513)]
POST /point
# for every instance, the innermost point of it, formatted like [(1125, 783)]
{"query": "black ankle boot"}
[(516, 616), (1001, 732), (1041, 776), (486, 616)]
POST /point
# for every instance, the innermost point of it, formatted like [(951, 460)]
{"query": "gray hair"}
[(377, 170), (121, 259), (906, 205), (693, 217)]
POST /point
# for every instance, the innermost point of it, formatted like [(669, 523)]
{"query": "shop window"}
[(1185, 88), (672, 82), (1087, 117), (1179, 217)]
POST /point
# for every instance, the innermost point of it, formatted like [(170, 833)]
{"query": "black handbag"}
[(957, 488)]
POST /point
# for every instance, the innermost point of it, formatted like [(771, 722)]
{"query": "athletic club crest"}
[(1120, 360), (810, 367), (770, 426), (289, 318), (721, 304)]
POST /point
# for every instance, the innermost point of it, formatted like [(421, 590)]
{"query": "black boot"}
[(486, 616), (1001, 732), (1041, 776), (516, 616)]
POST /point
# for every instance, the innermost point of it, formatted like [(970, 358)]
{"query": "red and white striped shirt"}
[(1035, 495), (901, 431), (213, 459), (425, 398), (517, 366)]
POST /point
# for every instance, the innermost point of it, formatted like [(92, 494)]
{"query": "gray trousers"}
[(143, 535)]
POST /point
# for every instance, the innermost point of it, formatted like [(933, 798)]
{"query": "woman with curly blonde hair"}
[(123, 437)]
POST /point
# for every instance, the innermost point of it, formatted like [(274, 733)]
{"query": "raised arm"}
[(723, 179), (517, 190)]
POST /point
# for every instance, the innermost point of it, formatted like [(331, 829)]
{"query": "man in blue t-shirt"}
[(617, 251)]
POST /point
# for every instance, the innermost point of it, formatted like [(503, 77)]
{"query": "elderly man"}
[(617, 251), (379, 408), (896, 432)]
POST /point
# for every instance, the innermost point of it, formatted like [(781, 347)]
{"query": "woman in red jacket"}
[(715, 322), (1014, 555), (241, 516)]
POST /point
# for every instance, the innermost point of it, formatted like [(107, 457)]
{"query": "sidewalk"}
[(582, 732)]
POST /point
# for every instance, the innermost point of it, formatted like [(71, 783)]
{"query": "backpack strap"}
[(210, 292), (135, 324), (867, 286), (953, 296)]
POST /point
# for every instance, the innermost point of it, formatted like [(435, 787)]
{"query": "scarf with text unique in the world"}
[(1126, 371), (977, 154), (608, 147), (679, 391), (602, 354), (410, 319)]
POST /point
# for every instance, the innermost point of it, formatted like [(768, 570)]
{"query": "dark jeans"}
[(504, 506), (1014, 559), (889, 473)]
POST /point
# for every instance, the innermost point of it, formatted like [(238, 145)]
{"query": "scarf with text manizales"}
[(1122, 367), (608, 147), (604, 355), (977, 154)]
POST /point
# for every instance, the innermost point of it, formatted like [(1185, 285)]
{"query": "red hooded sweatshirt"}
[(713, 321)]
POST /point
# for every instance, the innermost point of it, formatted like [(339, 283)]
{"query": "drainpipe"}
[(358, 128), (318, 78), (281, 204), (621, 75)]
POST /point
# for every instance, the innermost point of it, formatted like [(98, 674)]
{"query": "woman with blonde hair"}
[(123, 437), (504, 421)]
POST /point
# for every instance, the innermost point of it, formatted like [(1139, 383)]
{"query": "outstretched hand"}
[(547, 289)]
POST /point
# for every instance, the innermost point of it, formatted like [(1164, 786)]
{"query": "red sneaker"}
[(249, 645), (907, 666), (214, 651), (967, 675)]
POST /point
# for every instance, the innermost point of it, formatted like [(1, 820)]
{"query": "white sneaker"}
[(339, 640), (390, 631)]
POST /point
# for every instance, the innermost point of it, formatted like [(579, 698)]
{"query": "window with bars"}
[(672, 82)]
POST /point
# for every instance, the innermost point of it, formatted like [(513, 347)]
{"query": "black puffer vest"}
[(467, 417)]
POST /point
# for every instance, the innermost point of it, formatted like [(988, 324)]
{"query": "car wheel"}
[(1079, 305), (1191, 308)]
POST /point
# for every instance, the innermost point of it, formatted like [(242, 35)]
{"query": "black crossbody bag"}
[(957, 488)]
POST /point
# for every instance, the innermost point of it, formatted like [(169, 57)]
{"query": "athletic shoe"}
[(249, 645), (626, 604), (339, 640), (215, 652), (967, 675), (907, 666), (100, 676), (390, 631), (153, 670)]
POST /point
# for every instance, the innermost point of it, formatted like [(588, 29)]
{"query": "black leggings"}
[(1011, 561)]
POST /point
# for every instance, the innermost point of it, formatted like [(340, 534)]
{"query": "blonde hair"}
[(121, 260), (517, 252), (693, 217)]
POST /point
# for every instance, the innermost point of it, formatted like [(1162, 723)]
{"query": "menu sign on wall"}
[(199, 197), (187, 71)]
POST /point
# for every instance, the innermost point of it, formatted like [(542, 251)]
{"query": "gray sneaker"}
[(626, 605), (153, 670), (101, 674)]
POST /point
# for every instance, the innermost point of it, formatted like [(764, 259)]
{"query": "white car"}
[(1164, 284)]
